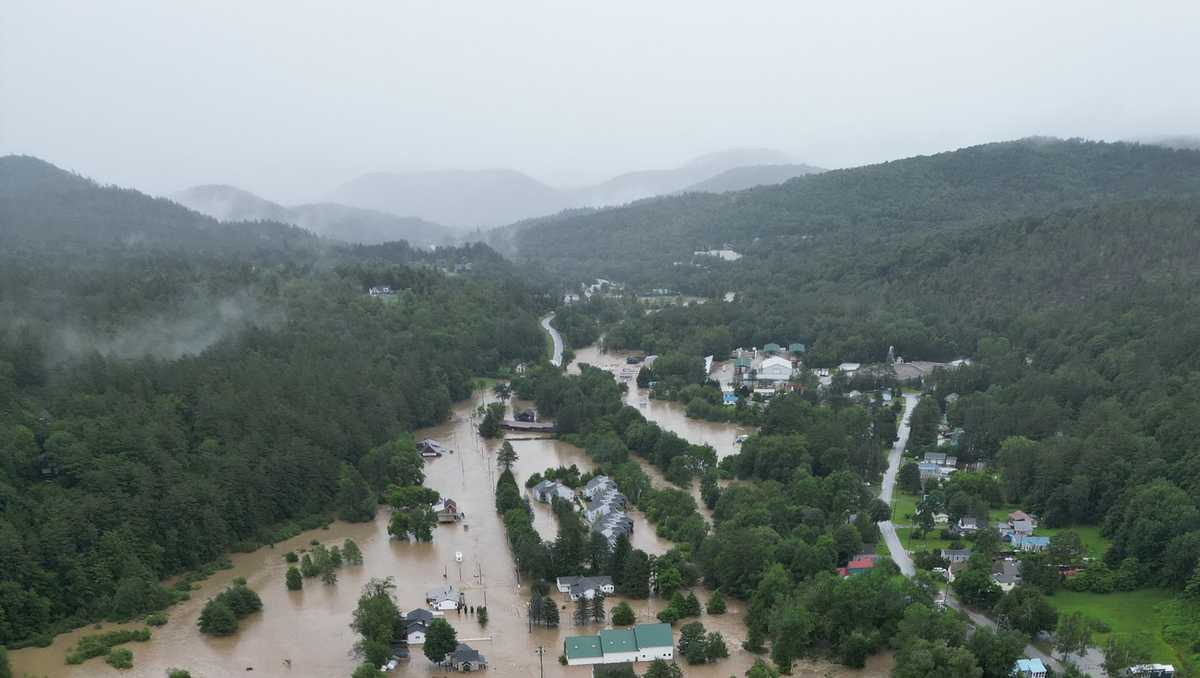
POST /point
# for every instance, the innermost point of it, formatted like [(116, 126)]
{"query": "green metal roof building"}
[(797, 348), (642, 643), (618, 640), (582, 648), (653, 635), (772, 348)]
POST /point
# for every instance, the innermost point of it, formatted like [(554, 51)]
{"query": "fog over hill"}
[(489, 198), (332, 220)]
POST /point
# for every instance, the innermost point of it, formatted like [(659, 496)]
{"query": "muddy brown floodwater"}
[(668, 414), (310, 628)]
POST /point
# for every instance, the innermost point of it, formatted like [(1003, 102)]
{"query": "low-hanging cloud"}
[(189, 329)]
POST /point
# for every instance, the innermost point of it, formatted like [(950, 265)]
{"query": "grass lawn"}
[(1124, 613), (931, 542), (1090, 534), (904, 508)]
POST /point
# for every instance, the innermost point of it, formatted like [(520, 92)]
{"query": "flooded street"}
[(667, 413), (311, 627)]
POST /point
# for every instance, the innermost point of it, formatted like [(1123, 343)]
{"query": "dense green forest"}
[(166, 398), (1066, 270), (830, 225)]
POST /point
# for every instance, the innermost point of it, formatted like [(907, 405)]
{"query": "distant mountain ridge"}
[(741, 178), (339, 222), (43, 203), (827, 220), (490, 198)]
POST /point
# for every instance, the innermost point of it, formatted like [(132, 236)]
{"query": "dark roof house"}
[(466, 658)]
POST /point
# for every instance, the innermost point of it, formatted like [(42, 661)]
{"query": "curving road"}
[(1091, 662), (886, 528), (556, 359)]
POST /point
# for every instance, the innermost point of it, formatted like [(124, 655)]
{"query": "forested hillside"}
[(822, 225), (171, 387), (40, 202), (1078, 299)]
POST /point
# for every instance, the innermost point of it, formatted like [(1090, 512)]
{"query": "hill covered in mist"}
[(332, 220), (42, 203), (490, 198)]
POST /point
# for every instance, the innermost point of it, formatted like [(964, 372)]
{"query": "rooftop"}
[(1031, 665), (653, 635), (582, 647), (618, 640)]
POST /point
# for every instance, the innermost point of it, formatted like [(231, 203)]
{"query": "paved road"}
[(556, 359), (886, 528), (1091, 662)]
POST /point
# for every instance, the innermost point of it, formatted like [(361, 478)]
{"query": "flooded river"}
[(311, 627)]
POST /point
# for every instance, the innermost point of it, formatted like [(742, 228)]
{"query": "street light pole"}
[(541, 669)]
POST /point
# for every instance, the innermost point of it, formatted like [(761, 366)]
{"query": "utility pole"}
[(541, 669)]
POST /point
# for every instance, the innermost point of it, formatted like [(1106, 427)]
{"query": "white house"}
[(956, 555), (443, 598), (775, 369), (849, 368), (1029, 668), (604, 503), (547, 490), (585, 587), (597, 485), (417, 623)]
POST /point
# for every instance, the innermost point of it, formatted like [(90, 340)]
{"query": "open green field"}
[(1125, 613), (931, 542), (904, 508), (1090, 534)]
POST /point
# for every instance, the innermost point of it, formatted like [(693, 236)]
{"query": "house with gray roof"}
[(585, 587), (1006, 573), (603, 503), (466, 658), (547, 490), (598, 485), (612, 525)]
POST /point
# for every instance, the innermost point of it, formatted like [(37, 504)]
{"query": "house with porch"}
[(443, 597), (466, 658), (1029, 668), (585, 587)]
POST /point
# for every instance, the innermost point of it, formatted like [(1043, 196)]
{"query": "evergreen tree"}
[(550, 614), (599, 615), (507, 456), (583, 611), (716, 603)]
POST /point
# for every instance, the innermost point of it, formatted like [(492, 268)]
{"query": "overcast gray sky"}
[(289, 98)]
